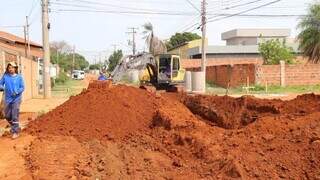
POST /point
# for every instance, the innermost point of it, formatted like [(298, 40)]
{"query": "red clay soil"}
[(120, 132)]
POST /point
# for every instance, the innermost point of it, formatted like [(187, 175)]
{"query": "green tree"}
[(95, 66), (114, 60), (62, 55), (309, 36), (273, 51), (180, 38)]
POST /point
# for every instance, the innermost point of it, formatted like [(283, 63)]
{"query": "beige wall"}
[(29, 70), (182, 51), (242, 41)]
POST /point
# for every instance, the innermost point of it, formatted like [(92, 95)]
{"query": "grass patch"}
[(68, 88), (294, 89), (273, 89)]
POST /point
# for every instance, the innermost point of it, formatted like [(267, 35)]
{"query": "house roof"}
[(17, 50), (236, 33), (16, 39), (239, 49)]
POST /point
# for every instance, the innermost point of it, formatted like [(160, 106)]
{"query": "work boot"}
[(15, 135)]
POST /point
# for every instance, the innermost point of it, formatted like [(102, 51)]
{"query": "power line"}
[(35, 17), (244, 4), (90, 4), (239, 5), (194, 6), (34, 3), (196, 25), (122, 12), (213, 5), (187, 25), (225, 9), (245, 11)]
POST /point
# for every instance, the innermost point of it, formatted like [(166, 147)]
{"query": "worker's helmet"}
[(12, 63)]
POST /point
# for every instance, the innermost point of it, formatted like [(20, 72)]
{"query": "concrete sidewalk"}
[(41, 105)]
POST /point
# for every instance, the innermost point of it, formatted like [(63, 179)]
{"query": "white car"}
[(78, 74)]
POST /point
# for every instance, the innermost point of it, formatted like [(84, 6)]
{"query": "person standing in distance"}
[(13, 86)]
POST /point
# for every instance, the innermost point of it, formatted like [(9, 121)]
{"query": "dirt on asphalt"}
[(121, 132)]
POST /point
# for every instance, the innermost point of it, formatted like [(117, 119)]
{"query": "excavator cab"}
[(169, 69)]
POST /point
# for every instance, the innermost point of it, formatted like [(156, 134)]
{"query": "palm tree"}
[(155, 45), (310, 34)]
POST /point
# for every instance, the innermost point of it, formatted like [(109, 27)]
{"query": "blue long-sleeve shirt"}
[(13, 87), (102, 78)]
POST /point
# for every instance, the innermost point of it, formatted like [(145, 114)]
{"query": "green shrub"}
[(62, 78), (258, 88), (53, 82)]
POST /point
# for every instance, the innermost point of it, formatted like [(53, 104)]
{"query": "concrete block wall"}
[(227, 75), (298, 74), (268, 74), (227, 71)]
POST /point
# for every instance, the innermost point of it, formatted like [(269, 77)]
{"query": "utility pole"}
[(133, 32), (25, 41), (46, 48), (28, 35), (73, 57), (29, 49), (203, 29)]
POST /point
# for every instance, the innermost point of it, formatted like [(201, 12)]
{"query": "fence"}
[(298, 74), (242, 74)]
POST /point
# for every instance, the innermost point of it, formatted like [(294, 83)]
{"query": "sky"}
[(94, 33)]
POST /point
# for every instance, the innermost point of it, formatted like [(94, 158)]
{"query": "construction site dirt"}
[(122, 132)]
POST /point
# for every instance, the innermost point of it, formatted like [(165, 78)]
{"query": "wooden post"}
[(282, 74), (248, 84), (228, 87), (266, 84), (3, 57)]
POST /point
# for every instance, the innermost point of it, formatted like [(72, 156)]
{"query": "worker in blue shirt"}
[(13, 86), (102, 77)]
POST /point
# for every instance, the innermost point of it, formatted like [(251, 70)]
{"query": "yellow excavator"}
[(162, 71)]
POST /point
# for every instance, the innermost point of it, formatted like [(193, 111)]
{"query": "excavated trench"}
[(230, 113)]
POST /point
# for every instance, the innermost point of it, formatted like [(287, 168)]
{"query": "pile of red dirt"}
[(99, 112), (120, 132)]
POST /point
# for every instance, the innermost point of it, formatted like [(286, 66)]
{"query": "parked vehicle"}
[(78, 74)]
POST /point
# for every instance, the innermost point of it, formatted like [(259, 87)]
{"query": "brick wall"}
[(222, 72), (268, 73), (196, 63), (299, 74), (235, 75)]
